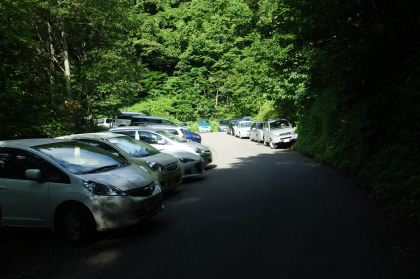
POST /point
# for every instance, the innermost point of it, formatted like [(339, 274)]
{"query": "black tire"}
[(273, 145), (77, 223)]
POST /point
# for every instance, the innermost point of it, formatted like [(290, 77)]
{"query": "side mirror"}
[(161, 142), (33, 174)]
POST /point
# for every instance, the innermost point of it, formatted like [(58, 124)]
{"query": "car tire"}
[(273, 145), (78, 223)]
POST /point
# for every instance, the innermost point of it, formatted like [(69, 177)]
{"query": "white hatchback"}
[(72, 187)]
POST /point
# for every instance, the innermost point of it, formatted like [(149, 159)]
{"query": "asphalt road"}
[(257, 213)]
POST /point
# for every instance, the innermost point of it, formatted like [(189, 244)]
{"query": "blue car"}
[(193, 136)]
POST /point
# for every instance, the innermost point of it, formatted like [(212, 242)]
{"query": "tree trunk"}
[(66, 58)]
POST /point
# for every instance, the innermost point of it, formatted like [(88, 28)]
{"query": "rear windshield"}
[(133, 147)]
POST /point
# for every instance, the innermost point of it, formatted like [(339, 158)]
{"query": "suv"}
[(278, 131), (124, 119)]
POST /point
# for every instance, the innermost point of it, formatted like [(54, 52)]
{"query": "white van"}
[(124, 119)]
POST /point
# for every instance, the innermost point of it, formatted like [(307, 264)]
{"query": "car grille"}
[(143, 191), (172, 167), (285, 134), (150, 205)]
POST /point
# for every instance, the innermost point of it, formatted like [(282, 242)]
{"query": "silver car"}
[(256, 132), (278, 131), (242, 129), (191, 164), (72, 187), (165, 141), (164, 167)]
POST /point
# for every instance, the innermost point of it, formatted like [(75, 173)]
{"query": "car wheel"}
[(78, 223), (272, 145)]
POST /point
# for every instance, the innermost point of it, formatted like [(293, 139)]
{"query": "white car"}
[(72, 187), (165, 168), (256, 132), (191, 164), (165, 141), (278, 131), (242, 129)]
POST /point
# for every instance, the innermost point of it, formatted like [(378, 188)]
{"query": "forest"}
[(346, 73)]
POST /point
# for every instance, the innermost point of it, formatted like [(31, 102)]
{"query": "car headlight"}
[(198, 150), (185, 160), (101, 189), (154, 166)]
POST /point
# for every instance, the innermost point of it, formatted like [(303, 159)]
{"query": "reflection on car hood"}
[(126, 178), (184, 154), (162, 158), (195, 145)]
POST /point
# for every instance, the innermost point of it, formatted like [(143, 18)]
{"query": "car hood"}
[(161, 158), (194, 145), (184, 154), (126, 178), (283, 131)]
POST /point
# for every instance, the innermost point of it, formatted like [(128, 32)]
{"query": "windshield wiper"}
[(104, 168)]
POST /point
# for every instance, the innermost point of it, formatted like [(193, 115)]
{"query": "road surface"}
[(256, 213)]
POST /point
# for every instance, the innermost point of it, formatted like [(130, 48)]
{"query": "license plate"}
[(286, 140)]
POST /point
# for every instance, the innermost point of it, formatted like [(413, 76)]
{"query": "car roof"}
[(138, 128), (150, 117), (245, 121), (30, 142), (102, 135)]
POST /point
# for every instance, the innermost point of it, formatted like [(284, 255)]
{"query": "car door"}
[(24, 202)]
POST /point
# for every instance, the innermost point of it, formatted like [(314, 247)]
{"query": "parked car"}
[(231, 123), (204, 125), (143, 119), (72, 187), (242, 128), (191, 164), (184, 126), (103, 122), (165, 168), (165, 141), (173, 129), (193, 136), (223, 125), (256, 132), (124, 119), (247, 118), (278, 131)]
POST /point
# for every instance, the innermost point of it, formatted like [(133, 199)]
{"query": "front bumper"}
[(285, 139), (204, 129), (112, 212)]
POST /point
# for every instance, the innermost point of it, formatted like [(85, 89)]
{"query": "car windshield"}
[(171, 136), (246, 124), (234, 121), (203, 122), (223, 122), (280, 124), (80, 158), (133, 147)]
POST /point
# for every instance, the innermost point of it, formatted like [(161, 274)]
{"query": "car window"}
[(79, 158), (280, 124), (171, 136), (150, 138), (260, 125), (254, 125), (99, 144), (15, 162), (244, 125), (133, 147), (223, 122)]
